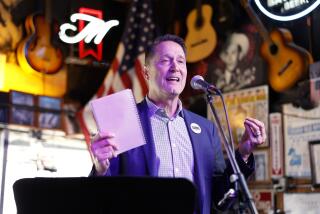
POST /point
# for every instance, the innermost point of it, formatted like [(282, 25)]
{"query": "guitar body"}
[(200, 40), (287, 62), (36, 53)]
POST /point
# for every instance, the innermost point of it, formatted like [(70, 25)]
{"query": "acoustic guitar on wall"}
[(287, 62), (36, 53), (201, 38)]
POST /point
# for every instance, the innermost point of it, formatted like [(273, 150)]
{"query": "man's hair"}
[(167, 37)]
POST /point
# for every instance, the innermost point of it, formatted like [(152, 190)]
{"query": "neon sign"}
[(83, 50), (96, 28), (286, 10)]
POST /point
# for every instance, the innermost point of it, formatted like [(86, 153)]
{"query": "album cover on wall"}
[(22, 110), (49, 112)]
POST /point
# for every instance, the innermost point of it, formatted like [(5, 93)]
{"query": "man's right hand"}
[(103, 150)]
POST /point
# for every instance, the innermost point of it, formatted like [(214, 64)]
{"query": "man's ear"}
[(146, 72)]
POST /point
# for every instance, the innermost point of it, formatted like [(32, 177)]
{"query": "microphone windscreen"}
[(194, 82)]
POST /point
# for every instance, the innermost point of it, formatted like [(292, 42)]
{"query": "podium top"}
[(104, 195)]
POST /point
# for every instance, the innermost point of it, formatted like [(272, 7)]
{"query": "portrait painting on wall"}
[(237, 63)]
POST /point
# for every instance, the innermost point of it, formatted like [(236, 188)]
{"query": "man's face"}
[(230, 56), (167, 71)]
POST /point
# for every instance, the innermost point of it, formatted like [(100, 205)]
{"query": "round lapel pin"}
[(195, 128)]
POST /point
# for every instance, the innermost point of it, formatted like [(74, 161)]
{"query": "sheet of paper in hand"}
[(117, 113)]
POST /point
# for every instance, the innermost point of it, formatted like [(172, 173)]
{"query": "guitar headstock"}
[(245, 3)]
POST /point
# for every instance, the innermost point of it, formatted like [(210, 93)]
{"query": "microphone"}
[(231, 194), (197, 82)]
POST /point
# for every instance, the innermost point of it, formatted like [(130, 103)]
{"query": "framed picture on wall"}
[(236, 63), (297, 203), (49, 112), (250, 102), (3, 115), (263, 199), (22, 110), (314, 149), (4, 107), (262, 172), (299, 128)]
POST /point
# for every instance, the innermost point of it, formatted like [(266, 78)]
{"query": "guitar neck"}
[(47, 11), (199, 11), (254, 17)]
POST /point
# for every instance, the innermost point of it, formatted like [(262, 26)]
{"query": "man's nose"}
[(174, 66)]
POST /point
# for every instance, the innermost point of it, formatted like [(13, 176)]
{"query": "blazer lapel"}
[(149, 148), (195, 137)]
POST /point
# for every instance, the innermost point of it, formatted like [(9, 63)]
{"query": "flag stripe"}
[(126, 80)]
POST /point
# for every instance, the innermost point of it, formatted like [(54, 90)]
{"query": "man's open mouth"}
[(174, 79)]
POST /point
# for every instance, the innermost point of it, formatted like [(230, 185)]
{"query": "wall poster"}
[(297, 203), (300, 126), (251, 102)]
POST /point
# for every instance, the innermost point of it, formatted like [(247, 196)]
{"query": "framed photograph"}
[(314, 72), (50, 112), (22, 116), (314, 149), (49, 120), (3, 115), (262, 165), (263, 199), (52, 103), (21, 98), (4, 107), (236, 64), (22, 110)]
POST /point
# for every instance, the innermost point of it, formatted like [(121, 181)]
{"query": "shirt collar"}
[(154, 109)]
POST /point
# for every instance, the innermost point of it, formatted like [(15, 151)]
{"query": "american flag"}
[(126, 70)]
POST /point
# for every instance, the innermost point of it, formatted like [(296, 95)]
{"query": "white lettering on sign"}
[(96, 28), (293, 4), (272, 3), (287, 5)]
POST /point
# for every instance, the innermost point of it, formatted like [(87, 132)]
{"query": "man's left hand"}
[(254, 135)]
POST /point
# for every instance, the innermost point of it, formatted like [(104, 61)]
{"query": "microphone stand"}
[(238, 178)]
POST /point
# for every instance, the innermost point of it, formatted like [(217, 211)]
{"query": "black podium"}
[(104, 195)]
